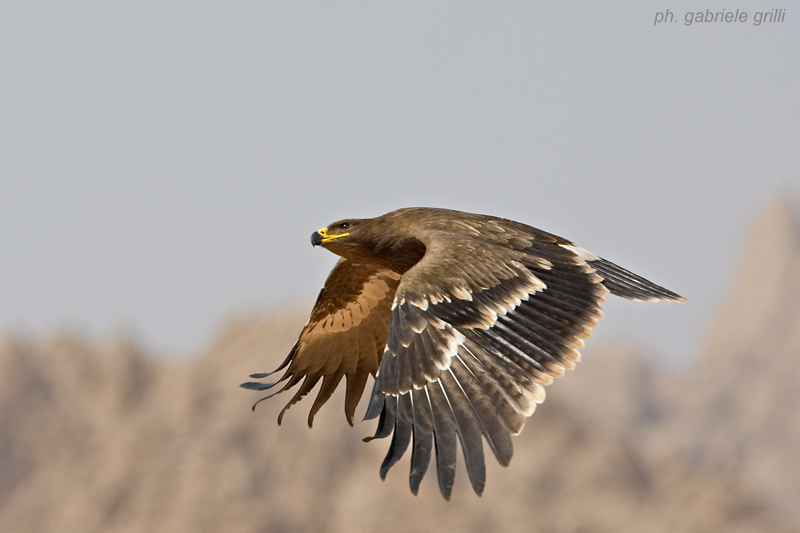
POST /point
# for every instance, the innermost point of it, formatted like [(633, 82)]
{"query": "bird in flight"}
[(461, 318)]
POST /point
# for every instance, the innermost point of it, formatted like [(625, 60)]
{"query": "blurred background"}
[(163, 164)]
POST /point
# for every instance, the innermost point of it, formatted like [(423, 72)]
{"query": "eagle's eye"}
[(344, 225)]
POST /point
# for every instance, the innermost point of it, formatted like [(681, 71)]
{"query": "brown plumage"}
[(461, 318)]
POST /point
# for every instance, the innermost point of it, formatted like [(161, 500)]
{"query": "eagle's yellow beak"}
[(321, 236)]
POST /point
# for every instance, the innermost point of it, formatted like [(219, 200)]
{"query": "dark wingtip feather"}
[(624, 283), (308, 383), (254, 385), (485, 409), (386, 421), (356, 383), (468, 429), (402, 432), (376, 402), (422, 448), (329, 384), (444, 439), (400, 441), (268, 396)]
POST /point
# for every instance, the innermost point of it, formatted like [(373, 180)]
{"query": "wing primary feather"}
[(262, 375), (573, 294), (509, 351), (444, 435), (251, 385), (386, 421), (254, 385), (268, 397), (403, 427), (355, 384), (376, 401), (455, 312), (329, 384), (294, 380), (557, 298), (564, 321), (304, 389), (624, 283), (527, 346), (520, 375), (502, 386), (538, 324), (551, 320), (423, 438), (483, 404), (531, 331), (469, 432)]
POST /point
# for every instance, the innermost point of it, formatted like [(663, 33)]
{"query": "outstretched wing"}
[(478, 327), (344, 337)]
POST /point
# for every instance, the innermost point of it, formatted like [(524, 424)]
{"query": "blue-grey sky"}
[(162, 164)]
